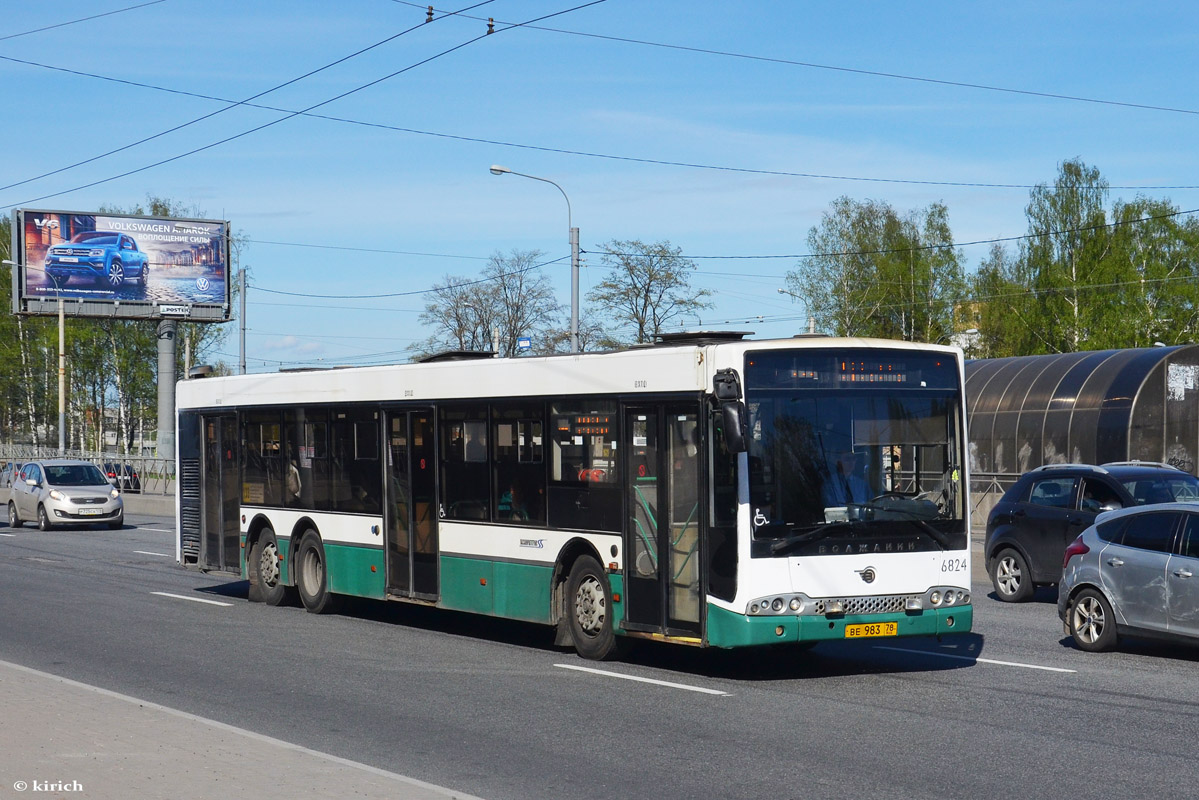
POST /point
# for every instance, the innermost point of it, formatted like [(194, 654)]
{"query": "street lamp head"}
[(496, 169)]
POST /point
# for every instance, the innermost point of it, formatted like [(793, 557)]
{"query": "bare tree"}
[(512, 299), (648, 287)]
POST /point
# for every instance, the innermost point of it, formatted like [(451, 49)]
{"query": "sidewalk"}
[(63, 739)]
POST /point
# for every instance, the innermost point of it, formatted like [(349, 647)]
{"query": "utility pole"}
[(241, 351)]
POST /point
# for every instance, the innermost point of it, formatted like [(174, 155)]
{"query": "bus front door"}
[(662, 488), (221, 544), (411, 510)]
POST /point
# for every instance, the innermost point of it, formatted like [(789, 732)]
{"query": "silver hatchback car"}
[(62, 491), (1134, 572)]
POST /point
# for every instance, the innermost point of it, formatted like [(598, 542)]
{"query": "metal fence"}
[(985, 491), (155, 475)]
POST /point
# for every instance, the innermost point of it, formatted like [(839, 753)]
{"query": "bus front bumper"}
[(729, 629)]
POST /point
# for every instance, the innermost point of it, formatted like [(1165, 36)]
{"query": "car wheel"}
[(589, 611), (1092, 623), (117, 524), (312, 575), (144, 277), (43, 519), (116, 275), (14, 519), (1010, 576)]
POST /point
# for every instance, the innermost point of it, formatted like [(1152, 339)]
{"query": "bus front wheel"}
[(589, 610), (312, 574)]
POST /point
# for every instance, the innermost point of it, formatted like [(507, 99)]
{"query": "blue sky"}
[(312, 186)]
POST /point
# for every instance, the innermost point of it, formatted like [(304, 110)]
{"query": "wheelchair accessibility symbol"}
[(202, 284)]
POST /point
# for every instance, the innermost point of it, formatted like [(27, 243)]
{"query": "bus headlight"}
[(777, 605), (796, 604), (935, 597)]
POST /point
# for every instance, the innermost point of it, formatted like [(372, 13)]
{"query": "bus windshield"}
[(854, 455)]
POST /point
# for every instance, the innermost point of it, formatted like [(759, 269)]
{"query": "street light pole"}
[(811, 319), (496, 169)]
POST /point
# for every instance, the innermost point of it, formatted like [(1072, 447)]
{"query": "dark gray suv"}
[(1029, 528)]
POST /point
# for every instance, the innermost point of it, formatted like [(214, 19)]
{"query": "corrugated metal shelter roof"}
[(1091, 407)]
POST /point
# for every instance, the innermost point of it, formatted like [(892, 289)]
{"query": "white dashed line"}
[(148, 553), (156, 530), (193, 599), (643, 680), (978, 660), (8, 534)]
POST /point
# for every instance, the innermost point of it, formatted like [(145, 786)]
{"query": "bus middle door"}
[(411, 513)]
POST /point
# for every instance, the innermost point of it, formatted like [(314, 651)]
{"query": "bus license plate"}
[(872, 629), (90, 512)]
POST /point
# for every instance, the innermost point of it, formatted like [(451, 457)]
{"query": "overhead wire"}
[(298, 113), (850, 70), (81, 19), (232, 103), (794, 256), (575, 152), (411, 293)]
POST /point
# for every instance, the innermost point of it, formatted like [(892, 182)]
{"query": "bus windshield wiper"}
[(809, 536), (928, 530)]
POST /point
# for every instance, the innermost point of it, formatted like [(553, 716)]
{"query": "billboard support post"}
[(165, 445), (62, 378)]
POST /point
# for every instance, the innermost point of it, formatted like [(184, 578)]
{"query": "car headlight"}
[(95, 253), (114, 492), (59, 496)]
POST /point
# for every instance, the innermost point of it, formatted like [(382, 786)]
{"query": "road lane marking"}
[(977, 660), (156, 530), (193, 599), (8, 534), (148, 553), (607, 674)]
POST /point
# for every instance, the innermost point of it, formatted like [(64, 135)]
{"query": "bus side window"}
[(584, 484), (465, 477), (518, 463)]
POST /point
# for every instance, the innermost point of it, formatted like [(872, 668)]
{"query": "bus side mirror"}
[(734, 426)]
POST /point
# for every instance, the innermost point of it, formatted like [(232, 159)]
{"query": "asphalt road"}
[(491, 708)]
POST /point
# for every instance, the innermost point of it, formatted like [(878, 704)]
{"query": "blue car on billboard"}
[(102, 257)]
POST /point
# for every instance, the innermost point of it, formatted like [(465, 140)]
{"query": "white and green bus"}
[(710, 490)]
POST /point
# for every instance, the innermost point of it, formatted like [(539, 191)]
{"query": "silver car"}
[(64, 492), (1134, 572)]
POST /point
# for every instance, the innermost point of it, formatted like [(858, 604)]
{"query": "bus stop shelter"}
[(1091, 408)]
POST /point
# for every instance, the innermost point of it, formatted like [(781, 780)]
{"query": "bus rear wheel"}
[(589, 610), (266, 579), (312, 574)]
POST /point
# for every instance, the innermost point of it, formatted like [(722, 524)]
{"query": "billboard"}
[(108, 265)]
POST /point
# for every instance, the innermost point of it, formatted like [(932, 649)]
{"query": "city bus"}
[(709, 490)]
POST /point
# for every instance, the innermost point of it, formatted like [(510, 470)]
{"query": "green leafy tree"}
[(876, 273), (1088, 278), (647, 288), (1065, 256)]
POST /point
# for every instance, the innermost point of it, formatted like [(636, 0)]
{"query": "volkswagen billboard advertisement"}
[(105, 265)]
